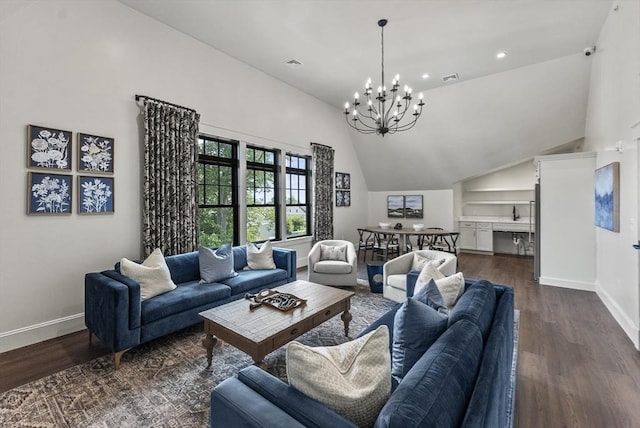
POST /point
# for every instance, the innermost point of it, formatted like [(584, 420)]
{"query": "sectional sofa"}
[(465, 378), (115, 313)]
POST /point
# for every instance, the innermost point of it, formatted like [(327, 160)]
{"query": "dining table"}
[(431, 238)]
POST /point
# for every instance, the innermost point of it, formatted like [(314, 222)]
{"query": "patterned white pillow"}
[(420, 261), (153, 274), (333, 252), (260, 258), (353, 379)]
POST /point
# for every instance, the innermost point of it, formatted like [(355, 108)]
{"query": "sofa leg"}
[(116, 358), (90, 337)]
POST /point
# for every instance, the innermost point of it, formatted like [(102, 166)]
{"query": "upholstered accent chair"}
[(394, 272), (333, 262)]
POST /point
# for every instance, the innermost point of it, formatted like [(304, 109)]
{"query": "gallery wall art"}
[(48, 148), (405, 206), (50, 192), (607, 197), (95, 195), (343, 192), (95, 154)]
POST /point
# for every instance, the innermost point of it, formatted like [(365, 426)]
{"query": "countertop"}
[(490, 219)]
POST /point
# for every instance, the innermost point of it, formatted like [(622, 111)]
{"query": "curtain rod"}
[(139, 97), (322, 145)]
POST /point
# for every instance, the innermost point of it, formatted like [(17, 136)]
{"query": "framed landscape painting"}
[(413, 206), (607, 197), (48, 148), (95, 154), (49, 194), (95, 195), (395, 206)]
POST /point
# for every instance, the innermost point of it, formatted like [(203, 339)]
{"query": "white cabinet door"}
[(467, 236), (484, 239)]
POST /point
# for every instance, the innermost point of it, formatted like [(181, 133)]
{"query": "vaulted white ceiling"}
[(499, 112)]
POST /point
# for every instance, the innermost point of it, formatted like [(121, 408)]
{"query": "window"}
[(263, 213), (217, 195), (298, 213)]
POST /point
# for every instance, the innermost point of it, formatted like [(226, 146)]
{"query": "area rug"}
[(164, 383)]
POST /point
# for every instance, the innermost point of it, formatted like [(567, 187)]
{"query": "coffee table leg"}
[(346, 318), (208, 342), (260, 363)]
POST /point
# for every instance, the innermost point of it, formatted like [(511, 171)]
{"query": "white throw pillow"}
[(451, 287), (260, 258), (419, 261), (353, 379), (153, 274), (428, 272)]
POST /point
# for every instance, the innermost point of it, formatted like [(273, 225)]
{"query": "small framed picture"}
[(343, 180), (343, 198), (49, 194), (95, 154), (95, 195), (48, 148)]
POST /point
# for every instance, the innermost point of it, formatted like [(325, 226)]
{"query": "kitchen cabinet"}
[(484, 237), (476, 236)]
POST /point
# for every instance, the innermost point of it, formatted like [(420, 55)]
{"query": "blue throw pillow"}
[(416, 327), (215, 265), (430, 295)]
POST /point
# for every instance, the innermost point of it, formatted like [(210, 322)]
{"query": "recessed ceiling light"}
[(501, 55), (425, 76)]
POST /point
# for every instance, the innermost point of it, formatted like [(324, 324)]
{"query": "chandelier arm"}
[(363, 123)]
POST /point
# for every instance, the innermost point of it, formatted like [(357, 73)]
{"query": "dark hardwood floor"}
[(576, 367)]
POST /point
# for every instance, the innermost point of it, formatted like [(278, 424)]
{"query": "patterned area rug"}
[(164, 383)]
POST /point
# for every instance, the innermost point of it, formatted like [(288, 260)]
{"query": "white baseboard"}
[(567, 283), (631, 330), (40, 332)]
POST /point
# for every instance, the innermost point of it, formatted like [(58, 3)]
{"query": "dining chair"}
[(366, 242), (385, 245)]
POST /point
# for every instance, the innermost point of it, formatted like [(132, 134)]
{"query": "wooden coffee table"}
[(263, 330)]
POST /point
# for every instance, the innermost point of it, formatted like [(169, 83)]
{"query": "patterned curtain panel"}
[(170, 216), (323, 204)]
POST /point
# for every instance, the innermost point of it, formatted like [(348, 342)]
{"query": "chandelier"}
[(383, 113)]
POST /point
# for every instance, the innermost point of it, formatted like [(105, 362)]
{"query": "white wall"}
[(437, 204), (77, 66), (567, 236), (613, 114)]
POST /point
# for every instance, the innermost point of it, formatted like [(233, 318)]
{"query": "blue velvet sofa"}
[(465, 379), (116, 315)]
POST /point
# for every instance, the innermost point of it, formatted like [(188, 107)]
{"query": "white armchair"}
[(394, 272), (333, 262)]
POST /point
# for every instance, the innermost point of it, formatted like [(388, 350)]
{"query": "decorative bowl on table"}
[(384, 225), (418, 227)]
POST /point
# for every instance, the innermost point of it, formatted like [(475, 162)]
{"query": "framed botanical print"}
[(48, 148), (95, 195), (343, 198), (49, 194), (95, 154)]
